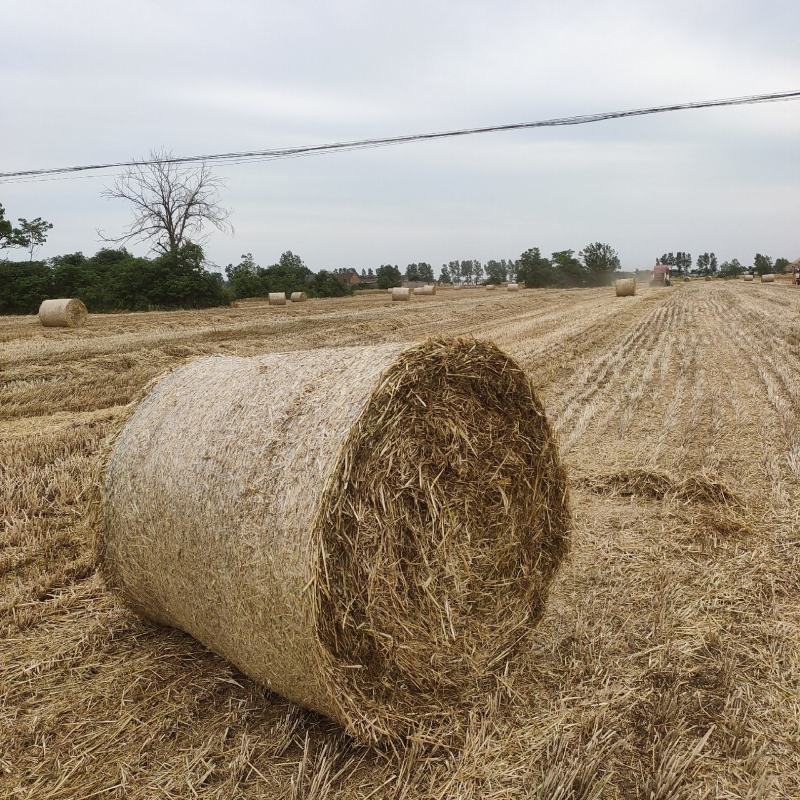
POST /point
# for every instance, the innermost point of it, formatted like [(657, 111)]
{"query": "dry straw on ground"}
[(63, 313), (768, 278), (625, 287), (401, 293), (368, 531), (298, 297), (277, 298)]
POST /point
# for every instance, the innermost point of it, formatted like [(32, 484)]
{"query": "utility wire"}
[(361, 144)]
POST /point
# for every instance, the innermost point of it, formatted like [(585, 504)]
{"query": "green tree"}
[(425, 272), (412, 273), (31, 234), (731, 269), (601, 261), (388, 276), (244, 278), (6, 230), (534, 270), (781, 265), (444, 274), (496, 271), (454, 269), (568, 270), (326, 284), (762, 264)]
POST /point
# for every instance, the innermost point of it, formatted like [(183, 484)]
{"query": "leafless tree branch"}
[(171, 203)]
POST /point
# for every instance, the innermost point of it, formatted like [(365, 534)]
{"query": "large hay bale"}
[(401, 293), (368, 531), (748, 278), (298, 297), (625, 287), (512, 287), (277, 298), (63, 313), (768, 278)]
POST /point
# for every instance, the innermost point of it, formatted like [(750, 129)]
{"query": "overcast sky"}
[(86, 82)]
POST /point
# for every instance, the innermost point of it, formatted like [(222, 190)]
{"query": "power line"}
[(362, 144)]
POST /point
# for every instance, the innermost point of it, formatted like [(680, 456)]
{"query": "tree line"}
[(707, 264)]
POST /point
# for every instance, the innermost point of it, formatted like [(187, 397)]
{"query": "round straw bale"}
[(768, 278), (748, 278), (298, 297), (512, 287), (277, 298), (63, 313), (625, 287), (390, 289), (368, 531), (425, 290), (490, 286), (401, 293)]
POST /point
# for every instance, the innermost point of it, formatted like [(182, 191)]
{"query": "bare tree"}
[(172, 202)]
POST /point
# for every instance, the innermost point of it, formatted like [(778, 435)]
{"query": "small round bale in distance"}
[(368, 531), (490, 286), (277, 298), (625, 287), (63, 313), (298, 297), (401, 293), (512, 287), (768, 278), (748, 278)]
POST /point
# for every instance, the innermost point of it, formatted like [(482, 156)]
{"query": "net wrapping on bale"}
[(369, 532), (63, 313)]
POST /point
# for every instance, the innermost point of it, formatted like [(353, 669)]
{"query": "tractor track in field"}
[(667, 663)]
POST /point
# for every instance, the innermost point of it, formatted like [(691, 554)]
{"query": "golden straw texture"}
[(63, 313), (367, 531), (512, 287), (748, 278), (768, 278), (401, 293), (298, 297), (625, 287), (277, 298)]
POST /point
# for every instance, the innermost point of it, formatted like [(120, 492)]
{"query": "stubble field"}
[(667, 664)]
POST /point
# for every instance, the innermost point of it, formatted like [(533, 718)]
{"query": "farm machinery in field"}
[(661, 276)]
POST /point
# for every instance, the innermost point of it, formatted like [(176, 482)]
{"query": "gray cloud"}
[(95, 81)]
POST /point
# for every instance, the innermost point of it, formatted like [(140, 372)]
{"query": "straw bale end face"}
[(370, 532)]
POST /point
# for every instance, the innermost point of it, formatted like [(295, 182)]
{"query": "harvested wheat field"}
[(666, 663)]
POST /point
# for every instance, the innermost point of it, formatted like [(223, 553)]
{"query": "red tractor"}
[(661, 275)]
